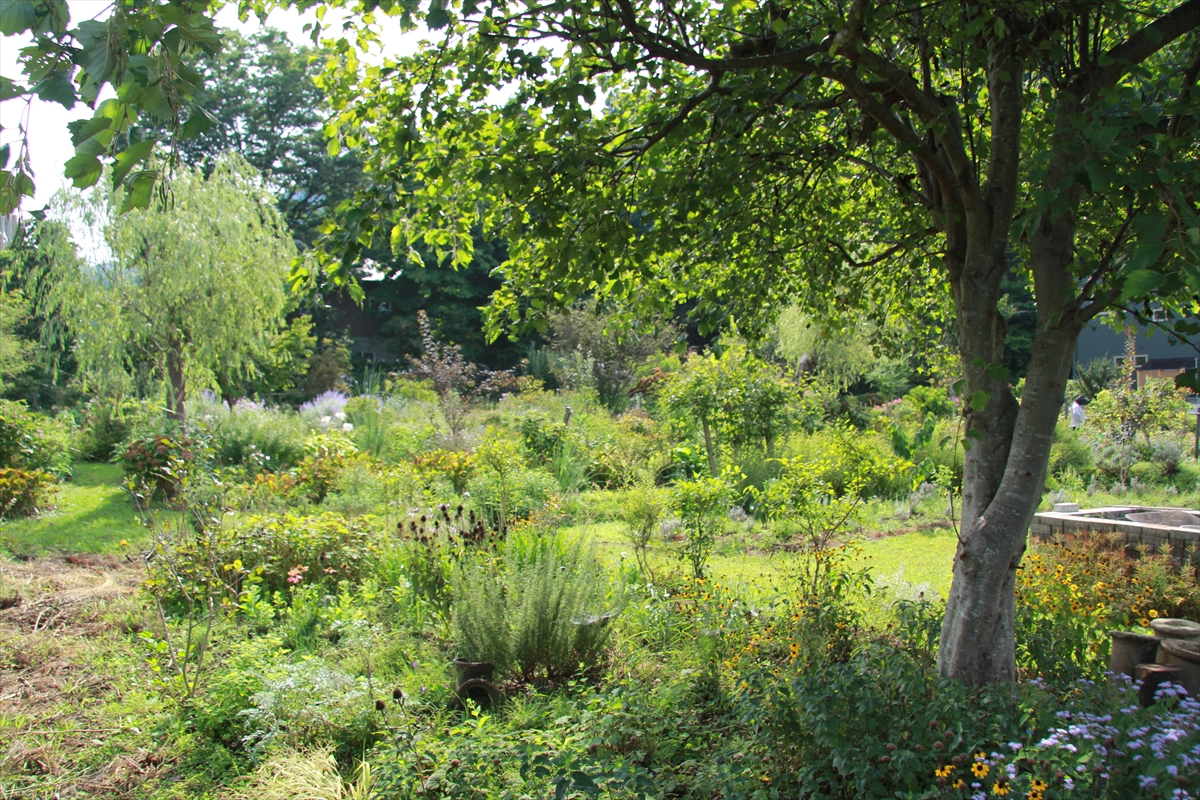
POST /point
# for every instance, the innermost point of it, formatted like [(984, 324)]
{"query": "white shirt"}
[(1077, 415)]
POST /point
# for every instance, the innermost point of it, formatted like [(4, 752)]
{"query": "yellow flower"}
[(1000, 787), (979, 770), (981, 756), (124, 543), (1038, 785), (1034, 794), (1153, 613)]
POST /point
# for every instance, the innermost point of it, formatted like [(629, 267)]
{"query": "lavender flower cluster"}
[(1155, 750)]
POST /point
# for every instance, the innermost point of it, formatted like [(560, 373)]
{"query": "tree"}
[(871, 156), (260, 91), (197, 289), (744, 155)]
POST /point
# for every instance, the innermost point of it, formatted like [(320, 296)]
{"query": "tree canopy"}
[(195, 291)]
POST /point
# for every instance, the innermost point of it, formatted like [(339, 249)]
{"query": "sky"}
[(50, 141)]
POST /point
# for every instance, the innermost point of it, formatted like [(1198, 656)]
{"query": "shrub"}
[(328, 455), (701, 505), (1069, 451), (311, 703), (1167, 455), (31, 441), (273, 553), (324, 410), (641, 510), (1146, 473), (455, 466), (22, 491), (431, 546), (251, 436), (106, 425), (535, 609), (157, 468), (365, 485), (1070, 594), (515, 496)]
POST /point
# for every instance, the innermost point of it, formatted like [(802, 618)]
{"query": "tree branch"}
[(1137, 48), (640, 147)]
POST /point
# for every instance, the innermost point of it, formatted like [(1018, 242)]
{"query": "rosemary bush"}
[(534, 609)]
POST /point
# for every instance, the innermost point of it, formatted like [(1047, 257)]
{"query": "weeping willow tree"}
[(192, 290)]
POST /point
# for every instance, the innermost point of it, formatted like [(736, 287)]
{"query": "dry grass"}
[(64, 666)]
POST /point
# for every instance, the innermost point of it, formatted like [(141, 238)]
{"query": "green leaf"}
[(128, 158), (10, 89), (95, 55), (437, 18), (83, 170), (979, 400), (998, 372), (57, 87), (4, 154), (16, 16), (199, 121), (139, 191), (1140, 283)]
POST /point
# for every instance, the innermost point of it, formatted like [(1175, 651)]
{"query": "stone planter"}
[(1180, 630), (1152, 676), (482, 693), (473, 671), (1130, 649), (1186, 656)]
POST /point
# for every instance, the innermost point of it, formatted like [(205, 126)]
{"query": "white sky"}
[(50, 141)]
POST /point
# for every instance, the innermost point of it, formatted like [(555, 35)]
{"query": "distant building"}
[(1156, 356)]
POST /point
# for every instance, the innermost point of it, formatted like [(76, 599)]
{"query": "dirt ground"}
[(65, 663)]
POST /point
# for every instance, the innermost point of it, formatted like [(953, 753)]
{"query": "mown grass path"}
[(90, 514)]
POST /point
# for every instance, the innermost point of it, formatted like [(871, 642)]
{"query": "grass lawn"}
[(91, 514), (904, 564)]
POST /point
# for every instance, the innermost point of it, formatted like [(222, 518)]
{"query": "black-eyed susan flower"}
[(959, 784), (979, 770), (1001, 787), (1038, 785)]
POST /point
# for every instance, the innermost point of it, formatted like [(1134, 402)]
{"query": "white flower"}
[(346, 426)]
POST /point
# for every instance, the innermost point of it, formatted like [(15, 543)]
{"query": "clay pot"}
[(478, 691), (473, 671), (1186, 656), (1130, 649)]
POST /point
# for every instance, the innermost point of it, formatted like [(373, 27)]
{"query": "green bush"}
[(157, 468), (701, 505), (251, 436), (107, 424), (1068, 450), (519, 494), (1147, 473), (274, 553), (536, 609), (22, 491), (33, 442), (641, 512), (310, 703)]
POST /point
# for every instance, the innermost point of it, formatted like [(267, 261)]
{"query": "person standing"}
[(1076, 415)]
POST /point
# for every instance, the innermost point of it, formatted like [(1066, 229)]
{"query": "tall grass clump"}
[(250, 435), (535, 609)]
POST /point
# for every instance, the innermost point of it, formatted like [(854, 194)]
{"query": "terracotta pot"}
[(478, 691), (1130, 649), (1186, 656)]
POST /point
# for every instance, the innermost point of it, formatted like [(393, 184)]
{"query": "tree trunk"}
[(176, 382), (708, 447), (1004, 470)]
